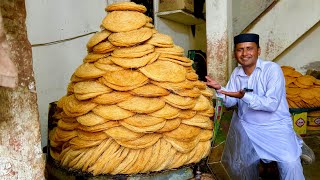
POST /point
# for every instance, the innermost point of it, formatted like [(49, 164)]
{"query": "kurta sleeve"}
[(231, 87)]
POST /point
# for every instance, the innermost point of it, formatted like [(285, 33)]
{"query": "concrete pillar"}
[(20, 145), (219, 39)]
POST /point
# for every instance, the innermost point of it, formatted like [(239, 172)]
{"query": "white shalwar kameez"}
[(265, 116)]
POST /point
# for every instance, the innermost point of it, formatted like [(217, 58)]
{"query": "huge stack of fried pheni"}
[(303, 91), (135, 105)]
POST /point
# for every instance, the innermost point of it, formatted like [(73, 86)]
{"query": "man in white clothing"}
[(257, 87)]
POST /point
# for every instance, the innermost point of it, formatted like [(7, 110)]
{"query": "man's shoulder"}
[(269, 64)]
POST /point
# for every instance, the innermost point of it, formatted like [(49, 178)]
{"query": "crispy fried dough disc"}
[(77, 143), (294, 74), (130, 38), (127, 162), (126, 6), (175, 86), (187, 114), (205, 135), (167, 112), (194, 93), (125, 78), (132, 52), (140, 120), (306, 80), (122, 21), (87, 95), (88, 70), (75, 78), (67, 126), (199, 121), (142, 161), (192, 76), (93, 57), (90, 87), (164, 71), (112, 98), (293, 91), (202, 104), (142, 142), (98, 37), (175, 50), (103, 47), (170, 125), (134, 62), (112, 112), (182, 146), (202, 149), (73, 107), (149, 90), (183, 132), (107, 67), (63, 135), (146, 129), (156, 150), (185, 64), (209, 112), (173, 100), (159, 39), (92, 136), (207, 92), (122, 88), (99, 127), (91, 119), (122, 133), (142, 104)]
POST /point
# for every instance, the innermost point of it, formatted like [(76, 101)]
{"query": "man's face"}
[(247, 53)]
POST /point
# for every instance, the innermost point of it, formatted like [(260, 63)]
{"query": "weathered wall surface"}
[(20, 145)]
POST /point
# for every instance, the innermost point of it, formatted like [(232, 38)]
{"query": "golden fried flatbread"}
[(140, 120), (88, 71), (164, 71), (183, 133), (122, 133), (122, 21), (133, 52), (202, 104), (90, 87), (160, 40), (135, 62), (87, 95), (142, 104), (78, 143), (182, 146), (194, 93), (207, 92), (128, 162), (167, 112), (99, 127), (306, 80), (170, 125), (97, 38), (146, 129), (175, 50), (125, 78), (209, 112), (130, 38), (112, 112), (175, 86), (73, 107), (126, 6), (141, 142), (205, 135), (106, 64), (93, 57), (179, 101), (141, 162), (122, 88), (63, 135), (91, 119), (92, 136), (103, 47), (112, 98), (199, 121), (149, 90), (294, 74), (187, 114), (156, 150), (69, 126), (75, 78)]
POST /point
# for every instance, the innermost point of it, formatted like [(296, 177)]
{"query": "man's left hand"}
[(238, 94)]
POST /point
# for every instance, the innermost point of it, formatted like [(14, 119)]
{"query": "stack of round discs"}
[(135, 105), (303, 91)]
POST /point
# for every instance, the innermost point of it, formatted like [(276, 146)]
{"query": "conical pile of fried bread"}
[(135, 105)]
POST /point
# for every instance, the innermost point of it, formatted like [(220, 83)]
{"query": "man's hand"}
[(238, 94), (212, 83)]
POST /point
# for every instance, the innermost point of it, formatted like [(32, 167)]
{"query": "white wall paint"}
[(304, 52), (48, 21)]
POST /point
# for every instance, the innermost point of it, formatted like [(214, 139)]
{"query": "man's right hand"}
[(212, 83)]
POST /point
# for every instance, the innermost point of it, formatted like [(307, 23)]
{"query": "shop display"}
[(135, 104)]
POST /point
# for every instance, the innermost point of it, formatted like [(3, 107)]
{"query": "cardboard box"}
[(170, 5), (300, 123)]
